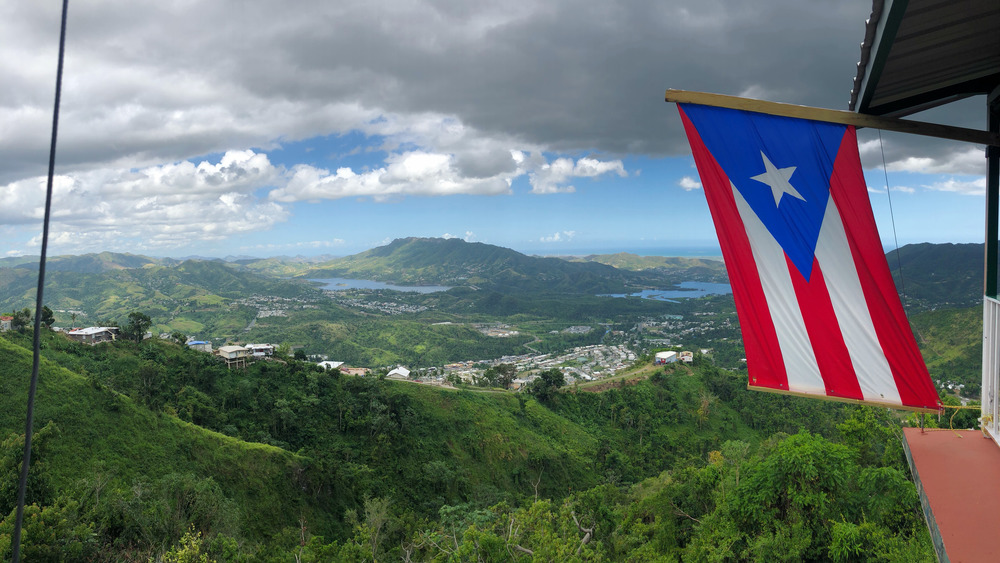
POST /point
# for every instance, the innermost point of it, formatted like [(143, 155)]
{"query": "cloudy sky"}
[(220, 128)]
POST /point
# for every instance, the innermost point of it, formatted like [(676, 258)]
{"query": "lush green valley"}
[(141, 441), (153, 451)]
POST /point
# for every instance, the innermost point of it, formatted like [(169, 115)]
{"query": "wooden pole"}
[(836, 116)]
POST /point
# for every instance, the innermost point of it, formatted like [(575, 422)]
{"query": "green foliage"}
[(136, 326), (38, 489), (545, 387), (679, 466), (189, 549), (47, 317), (21, 319), (58, 532)]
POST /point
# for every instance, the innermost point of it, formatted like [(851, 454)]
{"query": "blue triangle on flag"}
[(782, 168)]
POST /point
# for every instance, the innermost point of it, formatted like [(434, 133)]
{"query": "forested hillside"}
[(142, 443)]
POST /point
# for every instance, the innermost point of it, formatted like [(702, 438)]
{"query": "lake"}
[(687, 290), (336, 284)]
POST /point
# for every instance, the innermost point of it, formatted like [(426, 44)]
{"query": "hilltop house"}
[(94, 334), (234, 355), (328, 365), (667, 357), (6, 323)]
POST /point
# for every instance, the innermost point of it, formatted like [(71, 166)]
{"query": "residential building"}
[(234, 355), (400, 372), (667, 357), (94, 334), (260, 350), (201, 345)]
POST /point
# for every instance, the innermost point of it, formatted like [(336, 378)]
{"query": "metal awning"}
[(919, 54)]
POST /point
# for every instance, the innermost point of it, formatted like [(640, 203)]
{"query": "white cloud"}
[(900, 189), (968, 160), (561, 236), (415, 173), (552, 177), (688, 183), (155, 207), (976, 186)]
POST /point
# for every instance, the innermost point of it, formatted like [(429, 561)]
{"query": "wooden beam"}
[(858, 120)]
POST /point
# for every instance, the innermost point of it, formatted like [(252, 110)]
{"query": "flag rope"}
[(892, 219), (951, 420)]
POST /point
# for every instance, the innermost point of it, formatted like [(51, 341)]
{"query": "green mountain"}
[(187, 296), (934, 276), (454, 262), (87, 263), (694, 269)]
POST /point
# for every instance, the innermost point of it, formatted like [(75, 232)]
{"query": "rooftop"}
[(957, 474)]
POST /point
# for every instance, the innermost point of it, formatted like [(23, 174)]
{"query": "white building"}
[(667, 357), (93, 334), (399, 372)]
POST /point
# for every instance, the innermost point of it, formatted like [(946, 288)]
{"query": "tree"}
[(22, 319), (48, 317), (136, 326), (300, 355), (505, 375), (545, 386)]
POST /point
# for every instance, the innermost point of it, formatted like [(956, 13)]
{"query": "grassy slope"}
[(951, 341), (100, 429)]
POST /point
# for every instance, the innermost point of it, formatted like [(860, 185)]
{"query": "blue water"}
[(336, 284), (687, 290)]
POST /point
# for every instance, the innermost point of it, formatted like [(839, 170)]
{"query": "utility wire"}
[(26, 461), (892, 216)]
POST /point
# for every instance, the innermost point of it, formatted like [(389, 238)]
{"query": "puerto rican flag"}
[(817, 305)]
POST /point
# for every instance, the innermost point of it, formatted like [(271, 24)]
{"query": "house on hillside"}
[(667, 357), (687, 357), (94, 334), (360, 372), (399, 373), (233, 355), (200, 345), (328, 365), (6, 323), (260, 350)]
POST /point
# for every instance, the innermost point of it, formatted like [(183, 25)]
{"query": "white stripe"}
[(833, 252), (793, 339)]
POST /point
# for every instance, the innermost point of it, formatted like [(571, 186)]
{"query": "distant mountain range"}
[(454, 262), (938, 276), (929, 276)]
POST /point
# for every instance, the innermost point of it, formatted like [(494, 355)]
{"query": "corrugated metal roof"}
[(922, 53)]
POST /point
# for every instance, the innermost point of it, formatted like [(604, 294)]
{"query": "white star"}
[(777, 179)]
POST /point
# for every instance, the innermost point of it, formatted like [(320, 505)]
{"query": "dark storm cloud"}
[(156, 82)]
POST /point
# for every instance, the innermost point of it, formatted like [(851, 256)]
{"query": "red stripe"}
[(760, 341), (832, 355), (848, 189)]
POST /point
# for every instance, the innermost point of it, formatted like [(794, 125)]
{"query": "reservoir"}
[(684, 290), (335, 284)]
